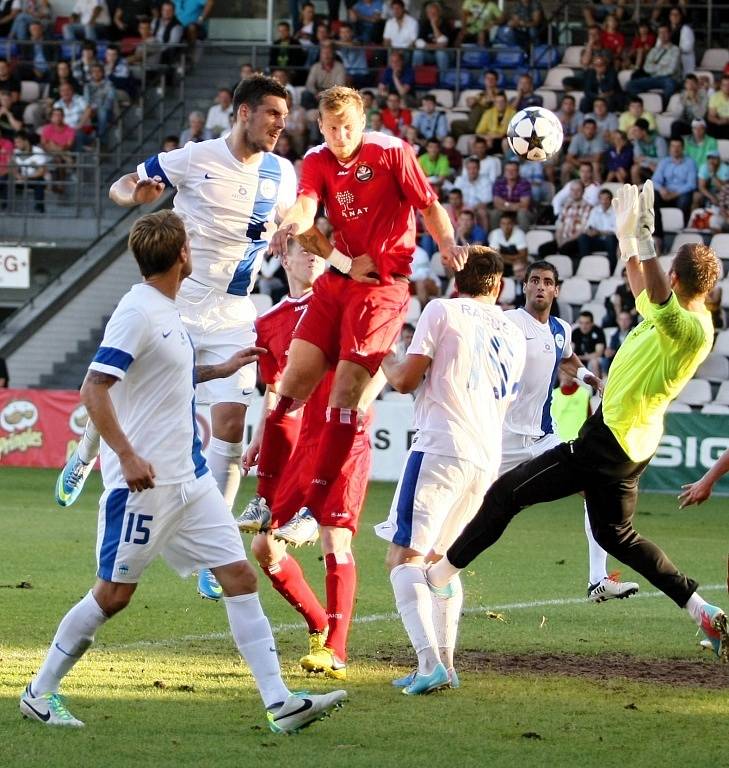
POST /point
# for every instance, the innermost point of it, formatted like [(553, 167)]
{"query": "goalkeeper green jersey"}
[(651, 367)]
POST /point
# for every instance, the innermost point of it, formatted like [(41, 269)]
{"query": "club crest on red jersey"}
[(363, 173)]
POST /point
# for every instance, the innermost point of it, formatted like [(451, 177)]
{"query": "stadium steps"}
[(70, 372), (218, 68)]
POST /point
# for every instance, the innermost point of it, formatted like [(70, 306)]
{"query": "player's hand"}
[(595, 382), (138, 473), (250, 458), (279, 244), (362, 269), (454, 256), (627, 213), (148, 190), (241, 358), (694, 493)]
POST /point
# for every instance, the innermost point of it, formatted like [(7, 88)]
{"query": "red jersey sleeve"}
[(267, 363), (311, 179), (412, 180)]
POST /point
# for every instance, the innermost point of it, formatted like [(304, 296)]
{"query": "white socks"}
[(694, 605), (88, 445), (598, 556), (224, 460), (415, 606), (446, 615), (252, 634), (74, 635), (442, 572)]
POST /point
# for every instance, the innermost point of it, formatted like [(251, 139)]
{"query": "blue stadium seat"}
[(68, 49), (473, 58), (455, 79), (545, 56), (509, 57), (8, 49)]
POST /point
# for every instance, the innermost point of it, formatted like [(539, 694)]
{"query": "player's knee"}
[(237, 578), (113, 598)]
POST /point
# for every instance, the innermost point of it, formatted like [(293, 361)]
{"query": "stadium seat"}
[(443, 96), (685, 237), (262, 302), (721, 345), (475, 58), (696, 392), (508, 292), (664, 123), (594, 268), (575, 290), (455, 78), (465, 95), (426, 76), (563, 263), (607, 288), (674, 107), (672, 219), (509, 58), (555, 78), (537, 237), (652, 102), (715, 409), (463, 145), (451, 116), (665, 261), (715, 368), (577, 96), (624, 76), (722, 396), (724, 149), (545, 56), (724, 286), (720, 244), (678, 407), (549, 98), (571, 57), (715, 59), (613, 186), (596, 309), (413, 312), (436, 265), (31, 91)]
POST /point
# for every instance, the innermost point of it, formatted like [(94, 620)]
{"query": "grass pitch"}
[(547, 678)]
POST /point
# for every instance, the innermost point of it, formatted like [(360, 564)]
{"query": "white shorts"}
[(516, 449), (436, 497), (219, 325), (189, 524)]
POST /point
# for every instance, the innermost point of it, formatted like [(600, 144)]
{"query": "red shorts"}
[(346, 497), (354, 321)]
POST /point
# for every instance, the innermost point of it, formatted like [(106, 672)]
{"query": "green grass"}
[(164, 686)]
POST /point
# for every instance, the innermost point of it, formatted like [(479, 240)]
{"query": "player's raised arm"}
[(405, 375), (138, 472), (130, 190), (298, 220), (656, 281), (439, 226)]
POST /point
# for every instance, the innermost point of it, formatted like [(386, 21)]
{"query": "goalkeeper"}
[(616, 443)]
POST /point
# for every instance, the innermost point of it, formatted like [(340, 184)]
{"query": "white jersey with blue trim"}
[(477, 358), (546, 345), (147, 348), (229, 208)]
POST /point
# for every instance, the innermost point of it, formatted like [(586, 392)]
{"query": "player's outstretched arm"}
[(699, 492), (405, 375), (360, 268), (138, 472), (130, 190), (656, 281), (250, 457), (298, 219), (439, 226), (230, 366)]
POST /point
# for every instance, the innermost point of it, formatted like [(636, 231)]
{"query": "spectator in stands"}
[(525, 25), (11, 115), (513, 194), (479, 18), (81, 67), (435, 35), (397, 78), (425, 281), (89, 21), (588, 342), (590, 189), (37, 56), (168, 31), (30, 169), (713, 176), (525, 96), (571, 223), (395, 116), (675, 179), (352, 55), (698, 145), (117, 70), (6, 156), (606, 121), (196, 131), (126, 16), (455, 158), (600, 232), (625, 325), (468, 232), (431, 122), (285, 51), (57, 141), (322, 35), (455, 205), (326, 73), (612, 39), (285, 147), (586, 146), (76, 111), (683, 36), (593, 47), (642, 43), (635, 112), (490, 164), (435, 165), (601, 81), (619, 158), (622, 300), (717, 117), (477, 105), (694, 103), (193, 15), (305, 30), (9, 81), (662, 68), (99, 94), (218, 117), (648, 149), (533, 172), (600, 10), (145, 59), (22, 13), (510, 241), (376, 124), (401, 29), (366, 15), (170, 142), (570, 117), (476, 190), (494, 122)]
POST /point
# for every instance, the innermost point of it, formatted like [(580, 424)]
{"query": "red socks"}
[(288, 580), (277, 444), (341, 585), (335, 445)]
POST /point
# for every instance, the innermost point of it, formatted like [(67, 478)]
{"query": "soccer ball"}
[(535, 133)]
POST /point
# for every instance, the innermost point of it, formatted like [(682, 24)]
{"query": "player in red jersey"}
[(371, 185), (328, 629)]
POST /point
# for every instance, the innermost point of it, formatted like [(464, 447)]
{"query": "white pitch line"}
[(375, 617)]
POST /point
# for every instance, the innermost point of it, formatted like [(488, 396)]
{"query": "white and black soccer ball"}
[(535, 133)]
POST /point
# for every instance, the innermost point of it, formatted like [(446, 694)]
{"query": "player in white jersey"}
[(230, 193), (160, 498), (472, 358), (528, 429)]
